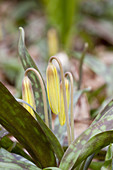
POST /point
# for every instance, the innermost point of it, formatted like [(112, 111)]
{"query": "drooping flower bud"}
[(62, 117), (28, 96), (53, 88)]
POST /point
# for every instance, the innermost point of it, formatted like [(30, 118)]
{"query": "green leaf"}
[(108, 159), (106, 109), (107, 165), (75, 150), (101, 140), (55, 144), (99, 116), (98, 142), (18, 121), (9, 162), (51, 168), (96, 165), (28, 62), (109, 154), (14, 147)]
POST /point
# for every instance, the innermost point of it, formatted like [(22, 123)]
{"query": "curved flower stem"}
[(43, 93), (72, 117), (64, 95)]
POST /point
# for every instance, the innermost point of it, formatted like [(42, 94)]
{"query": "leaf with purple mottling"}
[(19, 122), (28, 62), (9, 161), (74, 152)]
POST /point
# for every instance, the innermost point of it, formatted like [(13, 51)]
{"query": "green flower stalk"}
[(72, 116), (62, 117), (27, 95), (53, 88)]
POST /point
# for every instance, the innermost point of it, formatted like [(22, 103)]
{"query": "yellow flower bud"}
[(53, 88), (62, 117), (28, 96)]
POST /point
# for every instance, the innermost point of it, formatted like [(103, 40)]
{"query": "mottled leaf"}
[(101, 140), (55, 144), (14, 147), (17, 120), (9, 162), (98, 142), (104, 112), (72, 154), (28, 62), (51, 137), (108, 159), (98, 117)]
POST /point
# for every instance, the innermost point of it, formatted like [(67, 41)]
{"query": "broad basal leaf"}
[(101, 115), (55, 144), (98, 141), (9, 162), (14, 147), (73, 153), (25, 129), (50, 136)]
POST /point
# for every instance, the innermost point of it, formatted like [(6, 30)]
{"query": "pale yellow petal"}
[(27, 95), (53, 88), (62, 117)]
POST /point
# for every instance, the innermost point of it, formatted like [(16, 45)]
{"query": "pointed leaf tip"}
[(22, 34)]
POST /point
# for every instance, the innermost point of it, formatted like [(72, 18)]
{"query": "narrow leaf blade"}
[(28, 62)]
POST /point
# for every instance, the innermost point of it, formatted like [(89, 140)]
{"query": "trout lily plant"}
[(38, 144)]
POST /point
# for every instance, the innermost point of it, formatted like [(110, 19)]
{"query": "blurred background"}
[(61, 27)]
